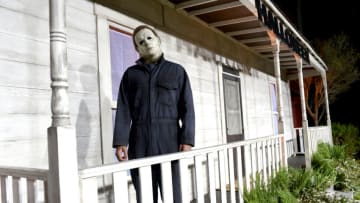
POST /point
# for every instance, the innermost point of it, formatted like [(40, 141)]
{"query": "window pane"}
[(123, 55), (232, 107)]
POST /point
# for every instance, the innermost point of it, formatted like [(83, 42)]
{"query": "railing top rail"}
[(29, 173), (111, 168), (318, 127)]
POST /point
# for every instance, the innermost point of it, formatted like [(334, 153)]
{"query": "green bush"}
[(275, 192), (330, 167), (348, 136)]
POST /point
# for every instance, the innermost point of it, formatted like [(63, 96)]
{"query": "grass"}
[(330, 166)]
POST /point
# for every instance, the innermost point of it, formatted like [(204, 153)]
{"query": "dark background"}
[(321, 19)]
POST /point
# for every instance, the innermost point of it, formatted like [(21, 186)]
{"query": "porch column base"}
[(63, 180), (307, 146)]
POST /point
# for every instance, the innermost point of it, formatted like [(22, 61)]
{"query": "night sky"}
[(320, 20)]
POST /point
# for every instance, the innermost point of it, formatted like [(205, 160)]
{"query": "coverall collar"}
[(142, 63)]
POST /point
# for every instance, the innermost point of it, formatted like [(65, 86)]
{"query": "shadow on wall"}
[(83, 125), (83, 132)]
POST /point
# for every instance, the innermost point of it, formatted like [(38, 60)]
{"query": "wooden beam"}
[(266, 47), (191, 3), (289, 67), (306, 73), (247, 31), (289, 63), (234, 21), (287, 59), (215, 8), (254, 40), (280, 54)]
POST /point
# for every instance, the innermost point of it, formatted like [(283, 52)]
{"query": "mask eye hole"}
[(149, 38)]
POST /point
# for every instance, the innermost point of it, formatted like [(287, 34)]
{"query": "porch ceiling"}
[(238, 20)]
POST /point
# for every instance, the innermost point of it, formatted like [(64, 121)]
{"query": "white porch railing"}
[(318, 135), (295, 145), (23, 185), (214, 174)]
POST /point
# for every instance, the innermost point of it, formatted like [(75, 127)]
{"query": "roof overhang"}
[(249, 22)]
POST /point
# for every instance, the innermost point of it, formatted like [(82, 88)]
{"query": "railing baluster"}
[(253, 167), (120, 187), (273, 163), (231, 174), (89, 190), (301, 140), (239, 173), (184, 182), (46, 191), (258, 158), (16, 189), (283, 153), (146, 191), (268, 157), (30, 186), (247, 157), (263, 162), (277, 151), (3, 189), (199, 179), (166, 183), (211, 177), (278, 147), (222, 175)]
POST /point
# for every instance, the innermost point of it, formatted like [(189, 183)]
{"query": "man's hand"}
[(185, 147), (121, 153)]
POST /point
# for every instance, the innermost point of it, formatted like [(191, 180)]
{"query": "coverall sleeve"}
[(123, 115), (187, 114)]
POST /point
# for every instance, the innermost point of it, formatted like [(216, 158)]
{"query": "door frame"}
[(231, 74)]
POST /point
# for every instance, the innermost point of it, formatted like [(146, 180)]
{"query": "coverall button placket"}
[(151, 108)]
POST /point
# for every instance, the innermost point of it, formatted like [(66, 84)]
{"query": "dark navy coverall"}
[(151, 101)]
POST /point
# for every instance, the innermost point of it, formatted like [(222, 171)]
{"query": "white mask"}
[(148, 45)]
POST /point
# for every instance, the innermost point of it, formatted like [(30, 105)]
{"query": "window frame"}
[(106, 18)]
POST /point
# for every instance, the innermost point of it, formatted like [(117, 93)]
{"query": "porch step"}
[(297, 160)]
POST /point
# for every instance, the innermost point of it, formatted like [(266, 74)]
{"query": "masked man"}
[(154, 95)]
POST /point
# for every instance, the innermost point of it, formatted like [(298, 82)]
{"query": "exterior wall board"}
[(203, 74), (288, 116), (258, 106), (25, 82)]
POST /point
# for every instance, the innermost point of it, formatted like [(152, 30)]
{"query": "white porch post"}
[(63, 184), (328, 120), (276, 49), (305, 127), (275, 43)]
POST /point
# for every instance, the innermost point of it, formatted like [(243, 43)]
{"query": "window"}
[(232, 102), (116, 53), (123, 55)]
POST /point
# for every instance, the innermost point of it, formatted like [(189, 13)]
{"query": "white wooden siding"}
[(203, 74), (258, 106), (288, 116), (25, 81)]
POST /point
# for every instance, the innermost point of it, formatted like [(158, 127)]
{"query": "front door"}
[(233, 111)]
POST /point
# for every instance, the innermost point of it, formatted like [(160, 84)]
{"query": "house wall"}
[(25, 77), (25, 82)]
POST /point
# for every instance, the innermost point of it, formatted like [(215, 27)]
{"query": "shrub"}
[(347, 135)]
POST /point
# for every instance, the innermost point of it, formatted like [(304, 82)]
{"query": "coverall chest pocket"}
[(167, 92)]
